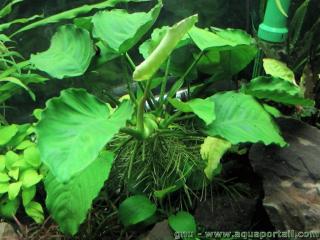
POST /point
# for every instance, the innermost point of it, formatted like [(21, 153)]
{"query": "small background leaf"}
[(183, 222), (136, 209), (14, 189), (203, 108), (7, 133), (35, 211)]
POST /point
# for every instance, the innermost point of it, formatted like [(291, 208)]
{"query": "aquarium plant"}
[(80, 137), (20, 172), (153, 141)]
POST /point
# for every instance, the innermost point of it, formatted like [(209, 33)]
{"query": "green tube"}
[(274, 27)]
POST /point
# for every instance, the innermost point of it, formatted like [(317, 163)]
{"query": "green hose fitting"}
[(274, 27)]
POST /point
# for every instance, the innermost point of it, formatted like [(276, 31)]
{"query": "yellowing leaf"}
[(279, 69), (212, 151)]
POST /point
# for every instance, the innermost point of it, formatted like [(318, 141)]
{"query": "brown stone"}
[(7, 232), (291, 177), (160, 231)]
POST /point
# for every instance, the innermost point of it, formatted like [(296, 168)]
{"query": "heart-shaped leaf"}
[(73, 130), (69, 55), (203, 108), (276, 89), (240, 118), (226, 50), (69, 203), (121, 30), (183, 222), (136, 209)]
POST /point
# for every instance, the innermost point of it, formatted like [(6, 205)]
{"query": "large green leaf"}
[(226, 50), (212, 151), (160, 54), (69, 203), (72, 13), (276, 89), (69, 55), (136, 209), (74, 128), (122, 30), (240, 118), (203, 108)]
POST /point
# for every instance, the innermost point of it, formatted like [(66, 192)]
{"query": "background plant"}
[(20, 172)]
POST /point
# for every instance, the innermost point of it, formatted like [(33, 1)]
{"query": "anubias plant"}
[(20, 171), (76, 130)]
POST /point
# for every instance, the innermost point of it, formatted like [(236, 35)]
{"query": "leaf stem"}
[(171, 119), (130, 61), (132, 132), (140, 112), (133, 156), (194, 63), (164, 82)]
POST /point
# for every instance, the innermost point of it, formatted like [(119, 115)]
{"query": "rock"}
[(7, 232), (291, 177), (160, 231), (224, 213)]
